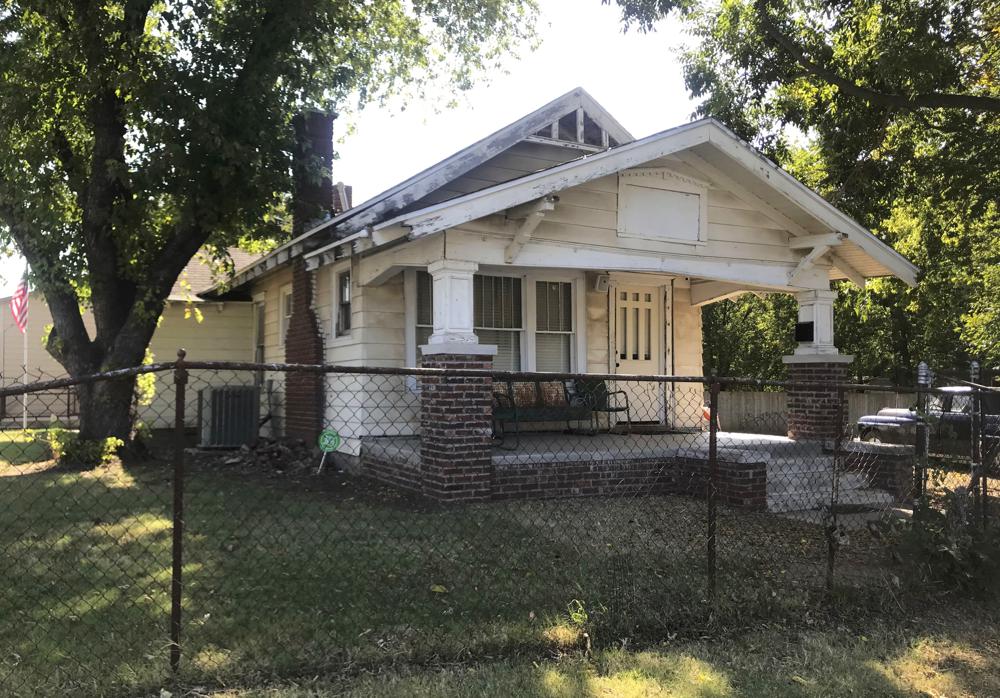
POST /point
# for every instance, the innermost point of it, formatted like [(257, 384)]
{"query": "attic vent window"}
[(657, 204), (579, 128)]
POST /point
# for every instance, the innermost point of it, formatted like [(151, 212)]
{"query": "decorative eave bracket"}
[(818, 246), (530, 216)]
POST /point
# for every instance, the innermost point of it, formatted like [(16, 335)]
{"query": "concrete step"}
[(819, 499)]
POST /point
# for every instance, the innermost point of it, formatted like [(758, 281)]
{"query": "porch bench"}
[(519, 402)]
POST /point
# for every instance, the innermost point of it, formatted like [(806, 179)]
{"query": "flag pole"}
[(24, 395)]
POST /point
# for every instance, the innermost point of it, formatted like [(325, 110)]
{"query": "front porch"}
[(758, 472)]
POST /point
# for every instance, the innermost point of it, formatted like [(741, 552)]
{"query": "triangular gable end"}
[(413, 193), (706, 136), (472, 169), (578, 129)]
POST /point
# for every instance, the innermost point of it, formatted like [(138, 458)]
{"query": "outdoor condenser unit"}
[(229, 415)]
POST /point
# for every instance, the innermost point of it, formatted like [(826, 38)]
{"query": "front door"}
[(638, 338)]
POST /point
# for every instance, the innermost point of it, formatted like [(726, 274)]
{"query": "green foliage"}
[(68, 448), (891, 110), (133, 133), (748, 336), (145, 384), (944, 547)]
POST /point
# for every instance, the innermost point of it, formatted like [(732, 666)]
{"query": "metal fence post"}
[(922, 431), (838, 454), (713, 474), (176, 588), (976, 450)]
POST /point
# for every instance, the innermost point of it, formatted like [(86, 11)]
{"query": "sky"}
[(636, 77)]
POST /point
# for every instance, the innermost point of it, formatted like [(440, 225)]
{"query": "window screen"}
[(553, 326), (497, 317)]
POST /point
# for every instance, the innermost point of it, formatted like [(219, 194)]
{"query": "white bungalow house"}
[(559, 243)]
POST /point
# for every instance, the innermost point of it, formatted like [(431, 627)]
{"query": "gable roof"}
[(203, 272), (409, 191), (786, 191)]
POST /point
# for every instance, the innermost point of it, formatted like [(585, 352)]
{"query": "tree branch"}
[(931, 100)]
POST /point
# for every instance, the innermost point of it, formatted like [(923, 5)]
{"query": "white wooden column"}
[(816, 306), (453, 310)]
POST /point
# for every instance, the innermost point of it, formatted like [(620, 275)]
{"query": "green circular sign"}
[(329, 440)]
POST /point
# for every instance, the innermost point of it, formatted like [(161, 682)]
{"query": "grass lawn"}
[(953, 652), (18, 447), (332, 576)]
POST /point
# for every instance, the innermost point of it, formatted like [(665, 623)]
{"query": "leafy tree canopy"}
[(134, 132), (890, 109)]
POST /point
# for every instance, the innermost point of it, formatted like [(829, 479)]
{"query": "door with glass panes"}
[(638, 336)]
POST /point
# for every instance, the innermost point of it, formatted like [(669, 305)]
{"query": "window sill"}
[(340, 341)]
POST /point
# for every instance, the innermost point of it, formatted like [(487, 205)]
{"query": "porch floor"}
[(799, 473)]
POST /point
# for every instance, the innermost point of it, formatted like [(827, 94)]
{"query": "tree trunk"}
[(106, 409)]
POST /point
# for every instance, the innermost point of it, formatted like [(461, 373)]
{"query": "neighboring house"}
[(217, 330), (559, 243)]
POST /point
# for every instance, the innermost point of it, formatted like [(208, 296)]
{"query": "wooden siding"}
[(687, 398)]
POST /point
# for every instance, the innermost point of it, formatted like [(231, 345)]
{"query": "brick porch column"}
[(813, 411), (456, 412)]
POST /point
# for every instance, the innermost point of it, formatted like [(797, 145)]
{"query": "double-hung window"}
[(501, 317), (286, 311), (498, 317), (554, 335), (343, 320)]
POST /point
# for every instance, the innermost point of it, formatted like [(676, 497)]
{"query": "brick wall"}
[(312, 200), (456, 424), (888, 467), (812, 412), (304, 396), (740, 485)]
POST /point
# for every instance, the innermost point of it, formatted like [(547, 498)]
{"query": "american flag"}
[(19, 305)]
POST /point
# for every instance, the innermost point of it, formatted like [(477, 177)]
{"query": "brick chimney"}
[(312, 202)]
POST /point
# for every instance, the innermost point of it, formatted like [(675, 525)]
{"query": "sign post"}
[(328, 442)]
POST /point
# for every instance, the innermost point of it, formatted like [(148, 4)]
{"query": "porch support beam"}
[(708, 292), (808, 241), (532, 214)]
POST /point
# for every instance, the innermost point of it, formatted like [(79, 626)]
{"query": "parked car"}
[(949, 417)]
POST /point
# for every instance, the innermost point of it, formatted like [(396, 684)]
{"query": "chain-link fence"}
[(445, 514)]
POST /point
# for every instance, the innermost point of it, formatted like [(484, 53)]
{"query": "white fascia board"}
[(500, 197), (811, 202)]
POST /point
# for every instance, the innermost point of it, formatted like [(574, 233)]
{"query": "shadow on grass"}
[(952, 652), (331, 575), (85, 561)]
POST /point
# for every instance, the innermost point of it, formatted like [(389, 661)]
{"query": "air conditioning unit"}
[(229, 415)]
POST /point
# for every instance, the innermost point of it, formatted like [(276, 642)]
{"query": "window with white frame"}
[(498, 317), (343, 304), (425, 307), (554, 335), (501, 317), (286, 311)]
